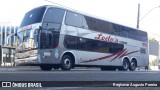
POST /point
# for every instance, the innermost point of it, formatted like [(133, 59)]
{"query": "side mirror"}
[(40, 28)]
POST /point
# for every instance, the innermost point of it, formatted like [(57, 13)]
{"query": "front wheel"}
[(46, 67), (66, 63)]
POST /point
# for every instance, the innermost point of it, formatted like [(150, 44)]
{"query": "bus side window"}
[(46, 41), (49, 39), (73, 19), (70, 42), (90, 23), (53, 19), (55, 39), (42, 40)]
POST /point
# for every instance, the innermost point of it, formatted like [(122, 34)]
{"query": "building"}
[(6, 29), (154, 52), (7, 51)]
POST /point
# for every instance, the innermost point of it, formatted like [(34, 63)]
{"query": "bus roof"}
[(90, 15)]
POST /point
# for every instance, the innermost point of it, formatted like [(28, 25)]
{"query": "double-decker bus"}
[(58, 37)]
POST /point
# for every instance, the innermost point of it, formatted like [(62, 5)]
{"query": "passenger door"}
[(46, 46)]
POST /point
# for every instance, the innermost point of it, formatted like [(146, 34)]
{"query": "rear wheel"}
[(66, 63), (125, 65), (133, 66), (46, 67)]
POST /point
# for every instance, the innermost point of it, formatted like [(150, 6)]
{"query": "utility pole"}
[(138, 16)]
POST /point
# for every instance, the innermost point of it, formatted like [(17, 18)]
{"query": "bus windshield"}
[(33, 16), (26, 40)]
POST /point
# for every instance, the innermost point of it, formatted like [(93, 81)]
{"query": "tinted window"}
[(143, 36), (55, 39), (134, 34), (54, 15), (73, 19), (99, 46), (53, 19), (115, 47), (123, 31), (33, 16), (46, 40), (85, 23), (116, 28), (72, 42), (89, 23), (106, 27), (102, 26)]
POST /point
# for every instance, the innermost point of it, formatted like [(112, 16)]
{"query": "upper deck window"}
[(53, 19), (33, 16), (54, 15), (74, 19)]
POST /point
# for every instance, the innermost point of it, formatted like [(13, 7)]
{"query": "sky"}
[(118, 11)]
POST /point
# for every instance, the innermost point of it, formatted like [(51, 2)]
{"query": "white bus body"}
[(57, 37)]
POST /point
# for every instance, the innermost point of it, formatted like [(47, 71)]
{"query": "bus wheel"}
[(133, 66), (66, 63), (125, 65), (46, 67)]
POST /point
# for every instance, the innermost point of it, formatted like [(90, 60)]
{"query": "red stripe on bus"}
[(119, 54), (128, 53), (101, 58)]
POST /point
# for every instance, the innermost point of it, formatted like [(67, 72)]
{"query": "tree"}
[(153, 39), (154, 62)]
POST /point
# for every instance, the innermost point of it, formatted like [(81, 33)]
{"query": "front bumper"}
[(30, 61)]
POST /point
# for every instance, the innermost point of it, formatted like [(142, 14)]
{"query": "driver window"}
[(46, 39)]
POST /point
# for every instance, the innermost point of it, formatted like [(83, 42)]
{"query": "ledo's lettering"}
[(108, 38)]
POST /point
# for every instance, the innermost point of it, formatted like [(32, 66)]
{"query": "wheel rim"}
[(133, 65), (125, 66), (67, 63)]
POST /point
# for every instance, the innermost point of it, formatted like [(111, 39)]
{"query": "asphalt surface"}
[(78, 74)]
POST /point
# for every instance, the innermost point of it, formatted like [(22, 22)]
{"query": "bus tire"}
[(133, 65), (66, 63), (46, 67), (125, 65)]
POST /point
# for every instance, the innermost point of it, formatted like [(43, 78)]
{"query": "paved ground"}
[(78, 74)]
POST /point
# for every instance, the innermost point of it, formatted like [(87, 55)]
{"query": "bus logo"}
[(107, 39)]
